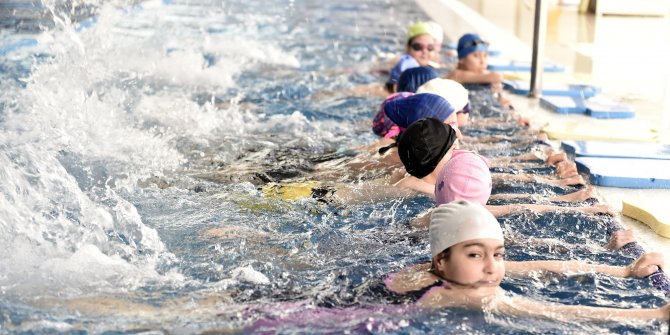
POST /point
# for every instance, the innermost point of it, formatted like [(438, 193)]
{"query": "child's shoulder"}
[(440, 296), (447, 296)]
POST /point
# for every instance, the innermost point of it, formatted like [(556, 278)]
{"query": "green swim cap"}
[(417, 29), (431, 28)]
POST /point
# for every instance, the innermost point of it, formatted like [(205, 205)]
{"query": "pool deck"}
[(639, 89)]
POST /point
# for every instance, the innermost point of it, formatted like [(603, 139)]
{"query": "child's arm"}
[(366, 193), (416, 184), (411, 278), (620, 238), (477, 298), (416, 277), (497, 302), (471, 77), (570, 181), (528, 307), (566, 169), (373, 147), (500, 210), (422, 221), (644, 266), (581, 195)]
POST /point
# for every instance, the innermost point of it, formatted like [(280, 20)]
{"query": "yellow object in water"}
[(653, 216), (289, 191), (600, 131)]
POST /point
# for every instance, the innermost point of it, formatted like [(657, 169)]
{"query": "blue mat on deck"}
[(522, 87), (626, 172), (616, 149), (564, 105), (521, 66), (607, 109), (597, 107)]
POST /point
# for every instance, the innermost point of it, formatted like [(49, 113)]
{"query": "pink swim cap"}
[(466, 176)]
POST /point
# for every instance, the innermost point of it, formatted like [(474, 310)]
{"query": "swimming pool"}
[(131, 153)]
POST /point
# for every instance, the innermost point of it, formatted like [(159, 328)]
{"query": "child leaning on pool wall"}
[(454, 93), (425, 149), (472, 66), (399, 112), (467, 267), (382, 126), (421, 49), (396, 106), (466, 176)]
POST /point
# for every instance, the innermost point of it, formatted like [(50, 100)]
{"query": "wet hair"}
[(445, 254)]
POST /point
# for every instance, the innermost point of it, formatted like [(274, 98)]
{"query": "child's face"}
[(423, 49), (452, 120), (462, 119), (474, 263), (476, 61)]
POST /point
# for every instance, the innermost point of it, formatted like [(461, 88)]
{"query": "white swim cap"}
[(461, 221), (450, 90), (436, 31)]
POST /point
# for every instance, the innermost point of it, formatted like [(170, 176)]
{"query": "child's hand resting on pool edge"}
[(646, 265), (600, 209), (566, 169), (620, 238), (554, 158)]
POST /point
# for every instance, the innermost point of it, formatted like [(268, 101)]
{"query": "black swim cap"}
[(423, 144)]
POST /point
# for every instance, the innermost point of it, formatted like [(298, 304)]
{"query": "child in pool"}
[(454, 93), (466, 176), (457, 96), (422, 49), (421, 150), (467, 248), (411, 79), (409, 82), (395, 116), (405, 110), (472, 66)]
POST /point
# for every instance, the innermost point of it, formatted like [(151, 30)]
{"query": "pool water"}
[(135, 140)]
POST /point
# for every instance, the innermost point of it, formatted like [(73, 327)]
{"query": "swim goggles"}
[(474, 43), (466, 109), (418, 47)]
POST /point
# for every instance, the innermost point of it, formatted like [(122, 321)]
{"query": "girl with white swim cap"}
[(467, 267)]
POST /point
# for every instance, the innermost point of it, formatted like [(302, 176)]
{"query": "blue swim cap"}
[(470, 43), (406, 111), (411, 79), (406, 62)]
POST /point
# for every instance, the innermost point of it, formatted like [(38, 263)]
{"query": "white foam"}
[(247, 274), (106, 110)]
